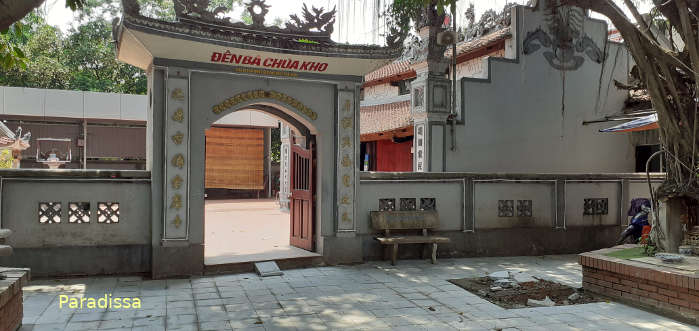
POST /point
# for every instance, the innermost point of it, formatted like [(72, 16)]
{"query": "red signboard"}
[(274, 63)]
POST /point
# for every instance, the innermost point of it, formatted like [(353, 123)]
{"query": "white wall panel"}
[(61, 103), (248, 117), (2, 100), (102, 105), (134, 107), (24, 101)]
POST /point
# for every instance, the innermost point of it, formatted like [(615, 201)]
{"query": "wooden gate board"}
[(301, 200), (235, 158)]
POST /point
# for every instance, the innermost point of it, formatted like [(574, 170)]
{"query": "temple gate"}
[(202, 67)]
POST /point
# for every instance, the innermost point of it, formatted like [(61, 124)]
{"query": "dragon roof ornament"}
[(309, 31), (313, 23)]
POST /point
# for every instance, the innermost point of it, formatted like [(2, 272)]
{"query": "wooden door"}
[(301, 201)]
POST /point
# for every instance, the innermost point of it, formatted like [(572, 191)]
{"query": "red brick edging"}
[(669, 291), (11, 299)]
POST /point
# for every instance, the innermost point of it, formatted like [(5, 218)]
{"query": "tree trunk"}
[(669, 78), (14, 10)]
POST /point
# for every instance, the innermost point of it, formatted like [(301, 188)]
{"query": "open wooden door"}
[(301, 201)]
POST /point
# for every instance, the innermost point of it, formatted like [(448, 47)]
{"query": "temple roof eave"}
[(255, 39)]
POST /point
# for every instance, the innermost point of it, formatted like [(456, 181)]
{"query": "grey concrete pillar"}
[(670, 222), (431, 99)]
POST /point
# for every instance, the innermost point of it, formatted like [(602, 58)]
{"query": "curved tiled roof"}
[(269, 38), (478, 43), (385, 117), (401, 67), (391, 69)]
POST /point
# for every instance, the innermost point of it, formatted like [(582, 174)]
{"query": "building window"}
[(403, 87), (643, 152)]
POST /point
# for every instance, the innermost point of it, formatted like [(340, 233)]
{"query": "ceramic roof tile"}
[(385, 117), (403, 66)]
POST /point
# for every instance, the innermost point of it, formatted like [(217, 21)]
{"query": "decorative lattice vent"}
[(108, 212), (78, 212), (49, 212)]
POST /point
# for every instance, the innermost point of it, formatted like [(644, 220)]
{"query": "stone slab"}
[(690, 263), (268, 268)]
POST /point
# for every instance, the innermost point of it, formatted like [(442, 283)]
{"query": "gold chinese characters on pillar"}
[(176, 166), (177, 138), (346, 167), (178, 161)]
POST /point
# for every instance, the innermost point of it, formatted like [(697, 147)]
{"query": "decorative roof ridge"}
[(461, 48), (256, 35), (381, 106)]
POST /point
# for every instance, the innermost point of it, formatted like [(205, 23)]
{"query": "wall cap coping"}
[(657, 273), (75, 173), (12, 285), (372, 175)]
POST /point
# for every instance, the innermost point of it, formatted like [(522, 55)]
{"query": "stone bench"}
[(405, 221)]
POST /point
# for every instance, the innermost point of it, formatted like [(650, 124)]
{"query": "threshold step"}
[(267, 268)]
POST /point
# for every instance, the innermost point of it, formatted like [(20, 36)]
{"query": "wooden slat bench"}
[(422, 220)]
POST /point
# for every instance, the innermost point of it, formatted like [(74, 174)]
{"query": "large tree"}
[(83, 59), (669, 74), (12, 11)]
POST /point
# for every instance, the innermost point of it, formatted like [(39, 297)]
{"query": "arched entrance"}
[(202, 66), (240, 227)]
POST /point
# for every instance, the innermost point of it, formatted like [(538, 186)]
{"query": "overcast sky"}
[(355, 11)]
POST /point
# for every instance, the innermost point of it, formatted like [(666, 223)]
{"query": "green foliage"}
[(649, 248), (12, 55), (306, 41), (401, 14), (84, 59), (276, 145), (246, 17), (5, 159)]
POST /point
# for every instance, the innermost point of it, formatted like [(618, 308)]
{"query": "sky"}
[(355, 12)]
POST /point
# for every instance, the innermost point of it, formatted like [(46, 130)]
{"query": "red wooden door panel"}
[(301, 198)]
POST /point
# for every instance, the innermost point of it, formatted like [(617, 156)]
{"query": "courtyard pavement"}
[(247, 230), (413, 295)]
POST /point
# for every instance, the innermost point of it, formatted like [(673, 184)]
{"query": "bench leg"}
[(394, 254), (434, 253)]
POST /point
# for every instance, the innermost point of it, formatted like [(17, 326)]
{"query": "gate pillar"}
[(347, 162)]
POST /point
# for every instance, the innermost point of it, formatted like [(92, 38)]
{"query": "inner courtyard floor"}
[(413, 295), (245, 230)]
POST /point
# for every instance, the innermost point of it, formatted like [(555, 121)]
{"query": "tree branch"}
[(14, 10)]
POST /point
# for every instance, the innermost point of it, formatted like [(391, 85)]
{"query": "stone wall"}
[(11, 299), (534, 214), (670, 291), (68, 222)]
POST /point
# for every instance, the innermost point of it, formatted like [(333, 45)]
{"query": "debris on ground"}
[(547, 302), (521, 277), (499, 275), (536, 293), (505, 283), (574, 297)]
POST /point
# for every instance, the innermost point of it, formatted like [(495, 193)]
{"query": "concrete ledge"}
[(370, 175), (82, 260), (669, 291), (11, 311), (490, 242), (74, 173)]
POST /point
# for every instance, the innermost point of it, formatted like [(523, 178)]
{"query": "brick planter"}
[(11, 299), (668, 291)]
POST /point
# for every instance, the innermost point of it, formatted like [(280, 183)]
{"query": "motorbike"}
[(635, 228)]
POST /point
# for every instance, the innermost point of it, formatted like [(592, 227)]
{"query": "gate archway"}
[(203, 66)]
